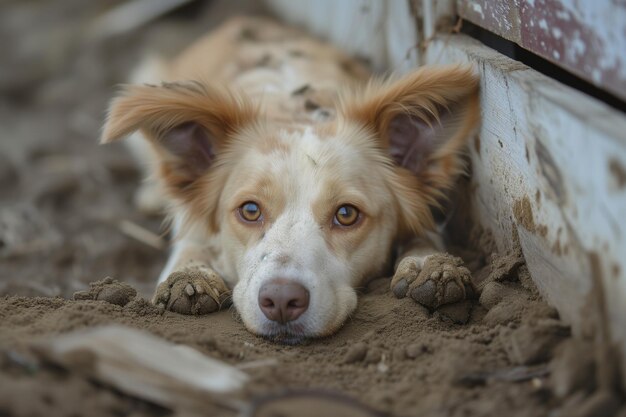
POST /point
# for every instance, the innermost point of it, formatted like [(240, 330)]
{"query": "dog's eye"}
[(346, 215), (250, 211)]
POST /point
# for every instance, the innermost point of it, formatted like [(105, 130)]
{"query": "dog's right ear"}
[(422, 121), (188, 124)]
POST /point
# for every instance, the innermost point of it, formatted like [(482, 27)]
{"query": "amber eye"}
[(250, 211), (346, 215)]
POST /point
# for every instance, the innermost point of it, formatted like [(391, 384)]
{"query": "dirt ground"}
[(67, 219)]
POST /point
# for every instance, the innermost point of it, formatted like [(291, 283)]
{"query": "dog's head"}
[(306, 213)]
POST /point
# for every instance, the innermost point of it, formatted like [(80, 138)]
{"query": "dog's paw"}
[(432, 281), (192, 290)]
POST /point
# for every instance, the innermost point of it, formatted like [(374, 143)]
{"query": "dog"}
[(292, 176)]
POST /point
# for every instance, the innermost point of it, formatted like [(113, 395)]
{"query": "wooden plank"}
[(145, 366), (549, 172), (588, 38)]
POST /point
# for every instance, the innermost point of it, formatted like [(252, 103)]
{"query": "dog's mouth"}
[(286, 334)]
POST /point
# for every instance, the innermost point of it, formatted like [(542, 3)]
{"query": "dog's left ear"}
[(188, 124), (423, 121)]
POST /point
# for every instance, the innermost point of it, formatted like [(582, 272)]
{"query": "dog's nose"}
[(283, 301)]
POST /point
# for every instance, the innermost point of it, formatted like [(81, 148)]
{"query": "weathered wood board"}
[(146, 366), (587, 38), (549, 168)]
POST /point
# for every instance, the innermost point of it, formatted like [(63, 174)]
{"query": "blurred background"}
[(66, 211)]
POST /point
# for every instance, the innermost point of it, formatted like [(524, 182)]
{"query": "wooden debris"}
[(147, 367), (142, 234)]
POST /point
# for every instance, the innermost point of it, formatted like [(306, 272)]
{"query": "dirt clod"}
[(505, 266), (504, 313), (533, 343), (415, 350), (109, 290), (495, 292)]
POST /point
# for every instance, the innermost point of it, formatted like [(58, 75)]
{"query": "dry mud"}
[(65, 210)]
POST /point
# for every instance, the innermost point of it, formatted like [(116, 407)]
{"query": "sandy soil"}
[(63, 204), (392, 355)]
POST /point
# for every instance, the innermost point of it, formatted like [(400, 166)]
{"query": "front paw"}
[(432, 281), (192, 290)]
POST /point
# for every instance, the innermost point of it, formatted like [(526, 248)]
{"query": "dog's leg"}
[(188, 285), (431, 277)]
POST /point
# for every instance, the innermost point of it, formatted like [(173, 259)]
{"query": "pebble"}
[(414, 350)]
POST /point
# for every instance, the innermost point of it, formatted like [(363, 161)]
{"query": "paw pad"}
[(193, 290), (432, 281)]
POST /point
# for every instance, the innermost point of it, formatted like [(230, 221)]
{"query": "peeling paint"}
[(561, 15), (523, 212), (550, 173), (478, 9), (586, 37), (618, 172)]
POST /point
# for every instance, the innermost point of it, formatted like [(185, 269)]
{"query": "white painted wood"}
[(428, 19), (433, 13), (401, 37), (549, 149), (383, 32)]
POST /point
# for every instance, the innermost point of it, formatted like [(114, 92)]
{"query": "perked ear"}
[(188, 124), (423, 121)]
